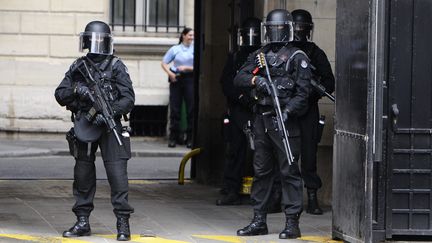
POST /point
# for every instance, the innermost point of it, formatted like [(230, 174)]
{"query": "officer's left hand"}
[(262, 86), (99, 120), (285, 114)]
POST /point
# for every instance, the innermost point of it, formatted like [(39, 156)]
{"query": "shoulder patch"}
[(303, 64)]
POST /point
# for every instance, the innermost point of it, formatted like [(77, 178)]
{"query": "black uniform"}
[(293, 86), (239, 111), (309, 123), (114, 156)]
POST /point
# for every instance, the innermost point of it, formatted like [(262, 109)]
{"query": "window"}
[(147, 15)]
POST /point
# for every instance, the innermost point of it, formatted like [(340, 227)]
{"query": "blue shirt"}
[(181, 55)]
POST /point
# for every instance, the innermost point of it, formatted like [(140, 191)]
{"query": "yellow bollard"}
[(183, 164), (246, 185)]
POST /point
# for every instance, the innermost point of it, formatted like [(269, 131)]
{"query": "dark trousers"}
[(269, 155), (309, 126), (235, 158), (182, 89), (115, 159)]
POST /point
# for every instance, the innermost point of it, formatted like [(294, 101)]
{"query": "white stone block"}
[(25, 5), (40, 71), (9, 22), (154, 96), (78, 6), (28, 45), (152, 74), (30, 103), (318, 9), (65, 46), (7, 70), (325, 36), (83, 19), (132, 66), (48, 23)]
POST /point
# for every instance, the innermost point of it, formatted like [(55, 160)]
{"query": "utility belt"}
[(184, 74)]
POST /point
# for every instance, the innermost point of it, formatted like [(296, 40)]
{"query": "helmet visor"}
[(303, 31), (277, 31), (97, 43), (248, 37)]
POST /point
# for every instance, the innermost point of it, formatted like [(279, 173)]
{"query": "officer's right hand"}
[(83, 92), (262, 85), (172, 77)]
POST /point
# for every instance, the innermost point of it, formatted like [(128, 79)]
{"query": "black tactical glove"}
[(99, 120), (262, 86), (82, 91)]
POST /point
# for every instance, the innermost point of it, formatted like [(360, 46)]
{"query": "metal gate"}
[(409, 140)]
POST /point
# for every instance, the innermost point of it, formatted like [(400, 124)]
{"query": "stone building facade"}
[(38, 43)]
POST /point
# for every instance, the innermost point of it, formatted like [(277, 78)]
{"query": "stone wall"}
[(39, 41)]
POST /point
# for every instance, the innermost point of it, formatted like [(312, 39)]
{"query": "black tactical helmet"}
[(303, 25), (97, 38), (249, 34), (278, 27)]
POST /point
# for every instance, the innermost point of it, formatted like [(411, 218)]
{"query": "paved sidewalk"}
[(30, 145), (39, 210)]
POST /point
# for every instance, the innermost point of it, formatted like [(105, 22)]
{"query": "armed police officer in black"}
[(98, 91), (309, 123), (288, 86), (240, 104)]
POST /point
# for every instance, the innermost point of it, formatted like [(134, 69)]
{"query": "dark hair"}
[(184, 32)]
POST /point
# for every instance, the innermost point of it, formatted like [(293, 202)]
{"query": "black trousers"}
[(269, 155), (235, 158), (115, 159), (309, 126), (182, 89)]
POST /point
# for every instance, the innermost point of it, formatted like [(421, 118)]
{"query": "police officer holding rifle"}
[(98, 91), (280, 73)]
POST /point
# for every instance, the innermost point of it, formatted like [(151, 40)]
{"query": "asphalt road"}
[(61, 167)]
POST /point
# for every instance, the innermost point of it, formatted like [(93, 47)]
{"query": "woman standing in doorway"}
[(180, 77)]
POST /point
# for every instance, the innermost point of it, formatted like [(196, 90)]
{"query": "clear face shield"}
[(303, 31), (97, 43), (248, 37), (277, 31)]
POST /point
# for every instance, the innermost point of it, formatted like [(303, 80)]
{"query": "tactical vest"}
[(84, 130), (103, 71), (282, 74)]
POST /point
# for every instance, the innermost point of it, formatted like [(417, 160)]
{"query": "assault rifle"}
[(100, 100), (321, 89), (262, 63)]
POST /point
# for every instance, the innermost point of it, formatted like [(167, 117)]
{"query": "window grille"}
[(147, 15)]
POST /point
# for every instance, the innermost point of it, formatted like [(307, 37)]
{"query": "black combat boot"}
[(81, 228), (189, 140), (123, 230), (258, 226), (229, 199), (172, 141), (292, 229), (313, 207)]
